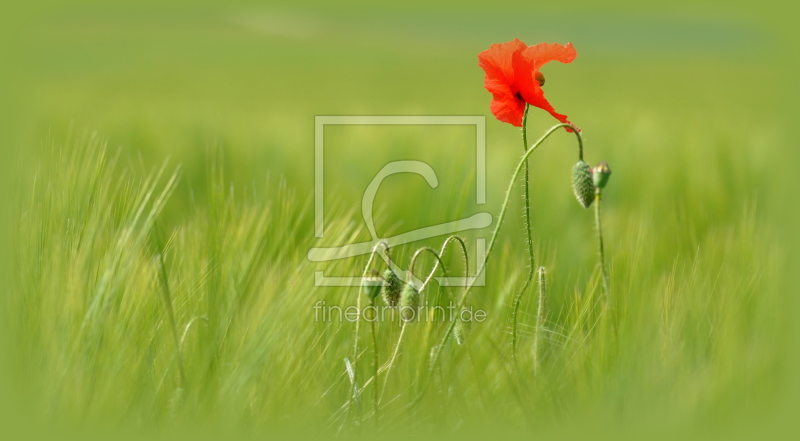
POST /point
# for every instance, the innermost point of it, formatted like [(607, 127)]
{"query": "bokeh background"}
[(685, 103)]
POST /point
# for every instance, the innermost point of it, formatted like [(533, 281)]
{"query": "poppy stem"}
[(374, 367), (358, 303), (437, 350), (360, 313), (599, 226), (393, 358), (528, 242), (500, 219), (542, 273), (455, 240)]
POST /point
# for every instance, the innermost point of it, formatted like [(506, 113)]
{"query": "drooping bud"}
[(582, 184), (391, 288), (371, 285), (409, 300), (600, 174)]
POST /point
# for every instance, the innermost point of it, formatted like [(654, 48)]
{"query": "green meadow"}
[(164, 210)]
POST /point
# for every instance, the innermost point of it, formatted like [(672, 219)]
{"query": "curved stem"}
[(463, 250), (528, 242), (439, 261), (435, 266), (432, 313), (500, 219), (403, 326)]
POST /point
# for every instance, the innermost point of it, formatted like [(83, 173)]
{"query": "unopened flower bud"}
[(600, 174), (391, 288), (409, 300), (582, 184), (371, 285)]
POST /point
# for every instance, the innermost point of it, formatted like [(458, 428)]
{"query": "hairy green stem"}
[(599, 226), (500, 219), (528, 242), (358, 321), (432, 312), (374, 365), (403, 326), (539, 318), (430, 275), (358, 299)]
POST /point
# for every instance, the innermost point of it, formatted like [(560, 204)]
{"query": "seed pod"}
[(409, 300), (391, 288), (582, 184), (371, 285), (600, 174)]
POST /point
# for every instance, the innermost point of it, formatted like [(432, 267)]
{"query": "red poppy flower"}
[(513, 77)]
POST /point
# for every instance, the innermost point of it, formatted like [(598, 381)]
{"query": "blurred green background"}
[(172, 82), (685, 104)]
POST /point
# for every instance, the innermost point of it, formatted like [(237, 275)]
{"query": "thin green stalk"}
[(598, 225), (528, 242), (432, 312), (391, 360), (441, 254), (500, 219), (358, 299), (358, 321), (374, 365), (354, 399), (403, 326), (433, 270), (539, 318)]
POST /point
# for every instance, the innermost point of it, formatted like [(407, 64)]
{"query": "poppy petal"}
[(510, 69), (544, 53), (529, 88), (537, 99), (500, 81), (508, 108), (496, 61)]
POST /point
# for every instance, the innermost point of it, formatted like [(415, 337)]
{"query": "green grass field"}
[(168, 172)]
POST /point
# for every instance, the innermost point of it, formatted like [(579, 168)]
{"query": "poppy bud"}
[(371, 285), (409, 300), (600, 174), (391, 288), (582, 183), (540, 78)]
